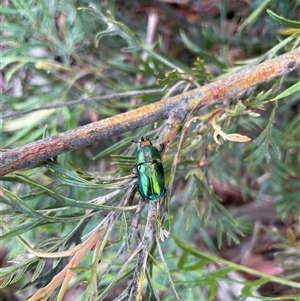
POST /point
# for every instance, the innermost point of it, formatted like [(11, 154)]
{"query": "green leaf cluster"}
[(55, 52)]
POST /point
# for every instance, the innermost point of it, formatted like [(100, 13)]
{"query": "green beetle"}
[(150, 171)]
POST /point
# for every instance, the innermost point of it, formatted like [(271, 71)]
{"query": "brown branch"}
[(36, 152)]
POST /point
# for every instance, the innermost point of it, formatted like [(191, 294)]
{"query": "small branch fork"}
[(178, 106)]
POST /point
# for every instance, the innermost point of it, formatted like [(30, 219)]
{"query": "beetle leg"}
[(134, 171), (162, 147)]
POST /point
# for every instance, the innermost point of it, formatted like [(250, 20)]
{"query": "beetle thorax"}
[(147, 153)]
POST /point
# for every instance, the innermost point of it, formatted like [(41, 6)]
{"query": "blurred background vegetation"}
[(234, 201)]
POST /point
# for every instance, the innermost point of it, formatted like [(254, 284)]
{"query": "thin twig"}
[(166, 269), (72, 103), (149, 234), (131, 232), (120, 273)]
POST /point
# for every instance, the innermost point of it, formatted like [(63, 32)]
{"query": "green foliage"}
[(55, 52), (283, 21)]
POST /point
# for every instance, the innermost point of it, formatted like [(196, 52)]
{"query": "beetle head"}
[(145, 141)]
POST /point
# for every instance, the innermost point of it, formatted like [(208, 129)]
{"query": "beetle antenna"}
[(153, 138), (146, 138)]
